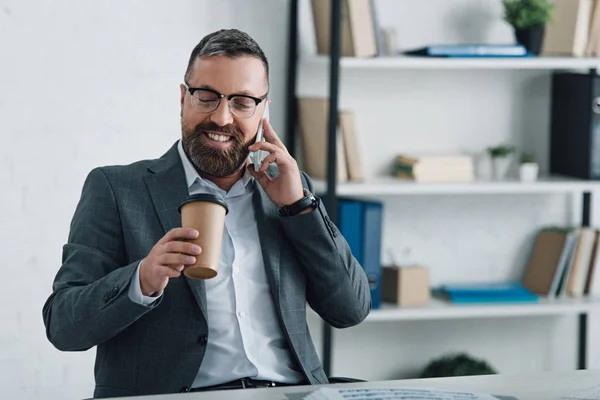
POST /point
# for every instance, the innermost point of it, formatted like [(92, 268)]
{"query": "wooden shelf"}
[(391, 186), (409, 62), (439, 309)]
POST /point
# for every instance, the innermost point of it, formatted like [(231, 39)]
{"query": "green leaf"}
[(522, 14)]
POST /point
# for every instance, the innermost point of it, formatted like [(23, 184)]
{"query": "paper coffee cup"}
[(206, 214)]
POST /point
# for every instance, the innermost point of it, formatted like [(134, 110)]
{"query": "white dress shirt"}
[(244, 335)]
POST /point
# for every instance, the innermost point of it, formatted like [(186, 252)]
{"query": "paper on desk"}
[(588, 394), (396, 394)]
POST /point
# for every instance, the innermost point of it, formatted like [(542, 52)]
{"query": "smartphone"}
[(257, 157)]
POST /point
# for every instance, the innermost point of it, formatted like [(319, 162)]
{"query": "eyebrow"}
[(243, 92)]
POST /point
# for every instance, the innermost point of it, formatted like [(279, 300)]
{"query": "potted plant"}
[(501, 157), (528, 168), (528, 19)]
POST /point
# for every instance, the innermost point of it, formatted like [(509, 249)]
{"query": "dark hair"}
[(230, 43)]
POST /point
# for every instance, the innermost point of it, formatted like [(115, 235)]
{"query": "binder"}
[(575, 125), (360, 222)]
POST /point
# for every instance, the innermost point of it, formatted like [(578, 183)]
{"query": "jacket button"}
[(331, 226), (184, 389), (110, 294), (203, 339)]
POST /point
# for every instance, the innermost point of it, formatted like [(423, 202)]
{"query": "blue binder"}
[(361, 224)]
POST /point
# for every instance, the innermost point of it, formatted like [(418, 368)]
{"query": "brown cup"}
[(206, 214)]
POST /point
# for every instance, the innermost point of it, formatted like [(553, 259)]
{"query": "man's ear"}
[(183, 91)]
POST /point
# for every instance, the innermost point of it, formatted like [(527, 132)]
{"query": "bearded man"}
[(121, 288)]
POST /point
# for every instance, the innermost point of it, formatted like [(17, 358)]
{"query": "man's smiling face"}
[(216, 142)]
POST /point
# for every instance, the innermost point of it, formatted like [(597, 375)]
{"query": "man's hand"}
[(285, 188), (167, 259)]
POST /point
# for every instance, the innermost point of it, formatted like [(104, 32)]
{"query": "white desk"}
[(542, 386)]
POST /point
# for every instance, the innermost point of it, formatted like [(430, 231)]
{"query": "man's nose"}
[(222, 115)]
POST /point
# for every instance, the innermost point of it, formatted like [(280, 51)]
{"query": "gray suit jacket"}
[(122, 213)]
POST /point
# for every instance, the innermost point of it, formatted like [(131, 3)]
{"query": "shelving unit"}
[(442, 310), (389, 186), (436, 310), (408, 62)]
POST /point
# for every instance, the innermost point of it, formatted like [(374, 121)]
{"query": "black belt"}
[(243, 383)]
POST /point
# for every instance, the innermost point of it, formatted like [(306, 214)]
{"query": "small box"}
[(405, 286)]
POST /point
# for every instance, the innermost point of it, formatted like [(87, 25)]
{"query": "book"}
[(435, 168), (568, 32), (358, 27), (544, 260), (487, 292), (313, 118), (352, 145), (470, 50)]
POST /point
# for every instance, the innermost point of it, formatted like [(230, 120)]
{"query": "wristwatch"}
[(308, 201)]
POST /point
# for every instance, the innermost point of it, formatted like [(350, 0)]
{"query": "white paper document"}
[(366, 393), (587, 394)]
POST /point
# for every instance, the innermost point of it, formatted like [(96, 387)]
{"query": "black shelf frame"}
[(332, 201)]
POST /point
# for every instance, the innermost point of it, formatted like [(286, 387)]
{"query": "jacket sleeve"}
[(89, 303), (337, 286)]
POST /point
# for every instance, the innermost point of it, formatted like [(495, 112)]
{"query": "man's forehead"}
[(241, 74)]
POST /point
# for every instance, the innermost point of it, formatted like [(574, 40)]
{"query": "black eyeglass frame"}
[(256, 100)]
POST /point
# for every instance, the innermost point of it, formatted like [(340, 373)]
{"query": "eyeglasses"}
[(207, 100)]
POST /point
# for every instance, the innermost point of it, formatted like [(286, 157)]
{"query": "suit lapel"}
[(270, 237), (168, 187)]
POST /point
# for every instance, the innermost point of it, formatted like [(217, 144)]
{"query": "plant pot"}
[(528, 172), (531, 38), (500, 167)]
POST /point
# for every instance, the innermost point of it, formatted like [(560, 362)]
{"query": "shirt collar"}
[(192, 176)]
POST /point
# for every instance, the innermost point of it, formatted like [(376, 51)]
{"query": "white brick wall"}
[(86, 83)]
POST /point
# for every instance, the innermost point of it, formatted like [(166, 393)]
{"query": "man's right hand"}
[(167, 259)]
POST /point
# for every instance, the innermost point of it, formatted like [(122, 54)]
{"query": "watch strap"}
[(308, 201)]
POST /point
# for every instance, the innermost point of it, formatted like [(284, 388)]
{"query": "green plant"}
[(527, 158), (456, 365), (522, 14), (500, 151)]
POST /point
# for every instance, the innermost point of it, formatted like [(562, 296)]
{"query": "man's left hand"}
[(286, 187)]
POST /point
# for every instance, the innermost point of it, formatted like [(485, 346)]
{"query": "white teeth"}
[(218, 138)]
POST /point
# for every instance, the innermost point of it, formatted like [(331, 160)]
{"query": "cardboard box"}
[(405, 286)]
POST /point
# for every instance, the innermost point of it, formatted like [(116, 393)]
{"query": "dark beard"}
[(209, 160)]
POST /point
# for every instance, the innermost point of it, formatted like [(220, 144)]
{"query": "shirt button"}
[(203, 339), (236, 270), (184, 389), (242, 314)]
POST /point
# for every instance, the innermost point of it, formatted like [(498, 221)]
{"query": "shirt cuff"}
[(135, 291)]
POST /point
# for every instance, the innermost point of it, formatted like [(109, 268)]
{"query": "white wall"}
[(85, 83), (459, 238)]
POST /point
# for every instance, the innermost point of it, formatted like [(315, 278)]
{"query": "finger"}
[(269, 147), (262, 178), (182, 247), (271, 158), (271, 136), (170, 272), (179, 233), (176, 258)]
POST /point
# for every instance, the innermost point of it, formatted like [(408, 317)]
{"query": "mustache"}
[(213, 127)]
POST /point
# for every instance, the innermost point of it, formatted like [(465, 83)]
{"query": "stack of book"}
[(563, 262), (313, 115), (435, 168), (361, 36)]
